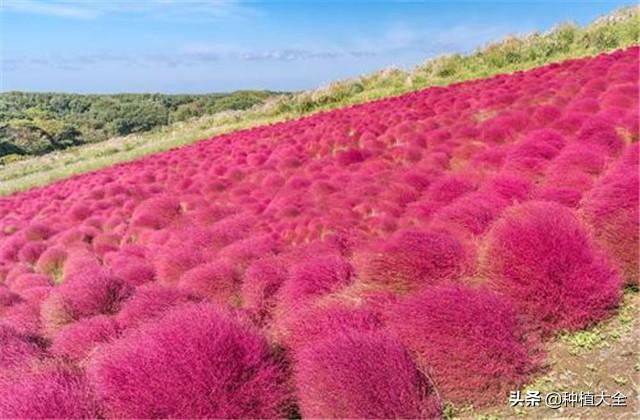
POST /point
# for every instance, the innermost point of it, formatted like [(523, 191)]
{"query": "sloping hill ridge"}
[(378, 260)]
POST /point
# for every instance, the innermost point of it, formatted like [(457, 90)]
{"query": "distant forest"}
[(38, 123)]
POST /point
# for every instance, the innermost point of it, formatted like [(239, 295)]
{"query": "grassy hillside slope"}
[(620, 29)]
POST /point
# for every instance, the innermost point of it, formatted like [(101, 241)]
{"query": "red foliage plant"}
[(413, 259), (77, 340), (469, 341), (216, 281), (151, 301), (260, 283), (362, 375), (196, 361), (321, 322), (611, 208), (16, 349), (52, 392), (315, 277), (29, 280), (540, 257), (92, 292)]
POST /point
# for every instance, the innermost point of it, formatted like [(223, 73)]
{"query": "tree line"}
[(38, 123)]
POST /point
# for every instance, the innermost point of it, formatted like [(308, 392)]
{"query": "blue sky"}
[(195, 46)]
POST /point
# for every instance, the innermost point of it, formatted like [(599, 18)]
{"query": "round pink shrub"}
[(133, 269), (571, 122), (79, 211), (16, 271), (156, 212), (318, 323), (260, 283), (611, 208), (470, 341), (471, 214), (9, 248), (216, 281), (231, 229), (315, 277), (349, 157), (540, 144), (243, 252), (171, 262), (31, 251), (38, 231), (94, 292), (413, 258), (195, 362), (362, 375), (587, 158), (77, 340), (91, 292), (74, 237), (8, 298), (546, 114), (448, 187), (603, 133), (541, 258), (509, 187), (36, 295), (51, 261), (23, 316), (568, 197), (29, 280), (78, 261), (54, 392), (105, 242), (16, 349), (150, 301)]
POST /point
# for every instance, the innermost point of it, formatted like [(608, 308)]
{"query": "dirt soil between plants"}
[(610, 363)]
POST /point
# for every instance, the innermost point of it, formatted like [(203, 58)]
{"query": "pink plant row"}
[(373, 261)]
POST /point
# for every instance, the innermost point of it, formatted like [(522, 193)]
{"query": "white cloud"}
[(199, 10), (57, 9)]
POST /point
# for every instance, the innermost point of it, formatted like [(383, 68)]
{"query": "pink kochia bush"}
[(216, 281), (318, 323), (28, 281), (196, 361), (51, 392), (92, 292), (413, 259), (51, 261), (156, 212), (316, 277), (470, 341), (350, 241), (260, 283), (612, 209), (16, 349), (133, 269), (77, 340), (362, 375), (151, 301), (540, 257)]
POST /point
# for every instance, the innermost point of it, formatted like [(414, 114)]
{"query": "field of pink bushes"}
[(374, 261)]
